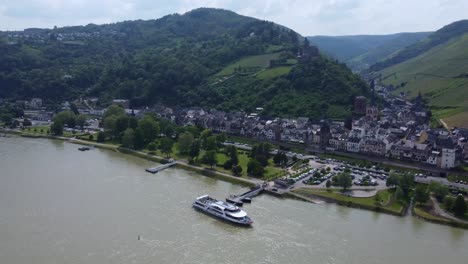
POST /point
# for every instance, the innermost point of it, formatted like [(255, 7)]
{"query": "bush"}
[(152, 146), (101, 137), (91, 137), (227, 165), (237, 170)]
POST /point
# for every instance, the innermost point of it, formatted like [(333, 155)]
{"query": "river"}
[(61, 205)]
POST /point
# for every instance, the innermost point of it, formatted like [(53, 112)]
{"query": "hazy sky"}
[(312, 17)]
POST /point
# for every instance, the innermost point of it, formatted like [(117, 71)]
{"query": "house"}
[(122, 102), (373, 147), (372, 112), (360, 104), (353, 144), (448, 157)]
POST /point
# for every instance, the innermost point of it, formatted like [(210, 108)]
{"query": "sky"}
[(307, 17)]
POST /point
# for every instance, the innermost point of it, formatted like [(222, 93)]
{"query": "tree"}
[(459, 206), (399, 195), (439, 190), (90, 137), (280, 158), (166, 146), (113, 110), (392, 180), (254, 168), (138, 140), (149, 127), (110, 125), (132, 122), (204, 135), (81, 120), (210, 158), (448, 202), (233, 155), (420, 194), (344, 180), (210, 143), (184, 142), (121, 124), (67, 118), (194, 150), (220, 139), (57, 128), (101, 136), (127, 138), (227, 165), (237, 170), (261, 152), (406, 183)]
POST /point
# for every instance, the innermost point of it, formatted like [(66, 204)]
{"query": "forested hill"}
[(205, 57)]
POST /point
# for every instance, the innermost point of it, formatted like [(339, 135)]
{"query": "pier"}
[(161, 167), (245, 197)]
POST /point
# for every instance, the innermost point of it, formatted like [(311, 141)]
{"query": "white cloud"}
[(326, 17)]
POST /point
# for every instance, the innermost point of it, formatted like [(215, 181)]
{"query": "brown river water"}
[(61, 205)]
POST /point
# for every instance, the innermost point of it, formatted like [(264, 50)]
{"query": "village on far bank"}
[(379, 141), (400, 131)]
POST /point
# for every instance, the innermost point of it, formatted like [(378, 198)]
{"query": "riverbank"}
[(426, 213), (181, 164), (332, 196), (308, 195)]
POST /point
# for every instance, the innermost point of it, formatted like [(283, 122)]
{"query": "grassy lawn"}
[(454, 178), (274, 48), (420, 211), (274, 72), (37, 129), (262, 61), (459, 119), (368, 202)]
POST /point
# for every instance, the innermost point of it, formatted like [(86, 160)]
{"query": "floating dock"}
[(160, 167), (245, 197)]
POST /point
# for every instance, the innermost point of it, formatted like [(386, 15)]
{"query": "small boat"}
[(246, 200), (222, 210), (83, 148)]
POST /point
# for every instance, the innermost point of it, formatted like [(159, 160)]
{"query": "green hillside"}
[(439, 37), (207, 57), (361, 51), (439, 74)]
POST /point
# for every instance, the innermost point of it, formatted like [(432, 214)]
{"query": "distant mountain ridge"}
[(206, 57), (439, 37), (361, 51)]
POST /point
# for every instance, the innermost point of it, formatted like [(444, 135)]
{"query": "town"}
[(400, 131)]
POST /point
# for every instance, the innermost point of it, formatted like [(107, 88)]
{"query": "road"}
[(444, 181), (443, 213)]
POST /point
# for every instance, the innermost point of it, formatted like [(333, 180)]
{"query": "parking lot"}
[(318, 171)]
